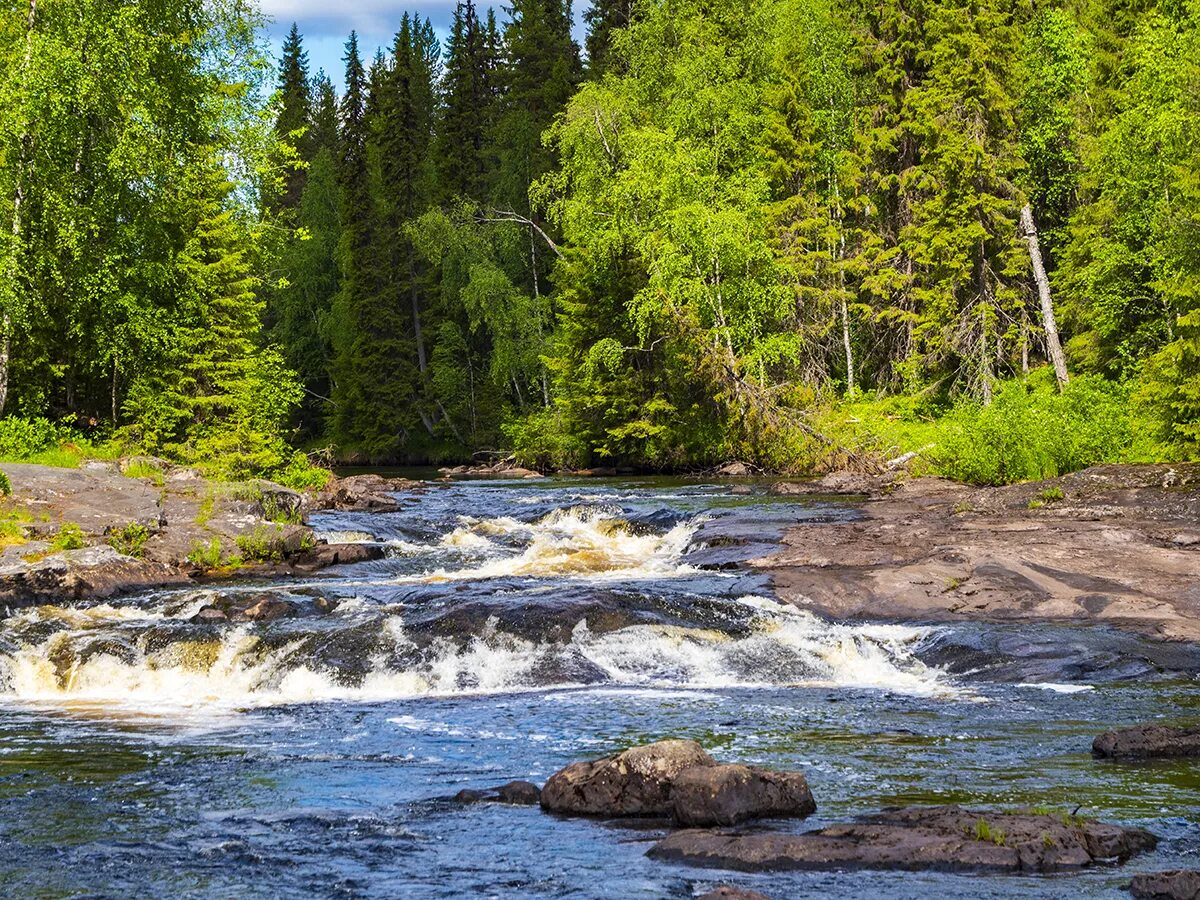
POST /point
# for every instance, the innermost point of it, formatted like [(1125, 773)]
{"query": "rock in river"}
[(1182, 884), (636, 782), (727, 795), (1148, 742), (946, 838)]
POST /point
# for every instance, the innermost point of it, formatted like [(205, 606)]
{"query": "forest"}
[(798, 233)]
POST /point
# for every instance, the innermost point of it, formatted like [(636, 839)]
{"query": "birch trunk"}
[(18, 198), (1053, 345)]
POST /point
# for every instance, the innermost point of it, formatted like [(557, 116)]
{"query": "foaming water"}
[(238, 668)]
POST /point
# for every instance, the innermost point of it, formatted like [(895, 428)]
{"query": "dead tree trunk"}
[(1053, 345), (18, 200)]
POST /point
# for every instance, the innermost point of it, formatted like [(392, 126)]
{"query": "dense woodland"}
[(781, 231)]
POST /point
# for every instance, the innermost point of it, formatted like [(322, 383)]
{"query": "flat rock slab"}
[(1148, 742), (917, 838), (731, 892), (1182, 884)]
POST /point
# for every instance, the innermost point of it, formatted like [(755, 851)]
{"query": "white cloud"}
[(367, 16)]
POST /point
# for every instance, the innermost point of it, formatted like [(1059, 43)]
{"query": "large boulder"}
[(636, 782), (937, 838), (726, 795), (1147, 742), (1182, 884), (364, 493), (732, 892)]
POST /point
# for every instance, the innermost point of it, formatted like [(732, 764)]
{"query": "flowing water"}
[(511, 629)]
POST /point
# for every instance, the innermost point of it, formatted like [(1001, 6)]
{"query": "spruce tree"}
[(603, 18), (467, 109), (295, 115)]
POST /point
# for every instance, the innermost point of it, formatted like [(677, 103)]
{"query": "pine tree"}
[(468, 108), (603, 18), (295, 115), (218, 398), (323, 126)]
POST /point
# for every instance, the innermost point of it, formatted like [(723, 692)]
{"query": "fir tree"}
[(603, 18), (295, 115), (468, 107)]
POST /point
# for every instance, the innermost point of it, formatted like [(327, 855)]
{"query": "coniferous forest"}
[(792, 232)]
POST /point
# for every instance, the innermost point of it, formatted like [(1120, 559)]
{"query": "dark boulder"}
[(1148, 742), (267, 609), (917, 838), (1182, 884), (519, 793), (325, 555), (636, 782), (727, 795)]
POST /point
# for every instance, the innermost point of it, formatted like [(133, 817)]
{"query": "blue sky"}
[(325, 25)]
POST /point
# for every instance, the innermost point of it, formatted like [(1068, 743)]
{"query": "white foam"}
[(1058, 688)]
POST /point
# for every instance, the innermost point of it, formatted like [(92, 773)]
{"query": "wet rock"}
[(636, 782), (837, 484), (1181, 884), (364, 493), (325, 555), (279, 502), (209, 615), (917, 838), (729, 794), (470, 795), (730, 892), (733, 470), (519, 793), (268, 609), (90, 573), (1148, 742)]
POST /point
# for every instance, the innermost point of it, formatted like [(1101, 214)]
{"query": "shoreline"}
[(1112, 545)]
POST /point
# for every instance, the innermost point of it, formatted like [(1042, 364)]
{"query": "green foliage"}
[(5, 485), (130, 540), (206, 556), (263, 544), (144, 468), (13, 520), (1033, 432), (70, 537)]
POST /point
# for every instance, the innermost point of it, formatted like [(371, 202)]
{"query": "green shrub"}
[(207, 556), (1052, 494), (263, 544), (301, 475), (1031, 432), (70, 537), (5, 485), (130, 540), (23, 438)]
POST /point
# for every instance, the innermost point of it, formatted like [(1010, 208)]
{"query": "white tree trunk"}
[(1053, 345), (18, 198)]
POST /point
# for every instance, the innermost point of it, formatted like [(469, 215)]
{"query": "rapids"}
[(511, 628)]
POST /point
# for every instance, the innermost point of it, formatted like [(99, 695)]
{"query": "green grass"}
[(208, 555), (263, 544), (70, 537), (13, 520), (130, 540), (144, 468), (1029, 432)]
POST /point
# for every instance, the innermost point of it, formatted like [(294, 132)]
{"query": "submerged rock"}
[(1182, 884), (1148, 742), (729, 794), (519, 793), (515, 793), (636, 782), (936, 838)]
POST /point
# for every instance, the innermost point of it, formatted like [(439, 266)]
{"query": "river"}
[(515, 627)]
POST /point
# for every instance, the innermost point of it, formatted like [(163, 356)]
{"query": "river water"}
[(515, 627)]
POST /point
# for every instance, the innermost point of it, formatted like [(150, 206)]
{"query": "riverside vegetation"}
[(795, 232)]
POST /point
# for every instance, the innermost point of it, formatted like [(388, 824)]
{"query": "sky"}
[(325, 25)]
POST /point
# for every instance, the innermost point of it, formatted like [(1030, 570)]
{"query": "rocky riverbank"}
[(1118, 545), (106, 529)]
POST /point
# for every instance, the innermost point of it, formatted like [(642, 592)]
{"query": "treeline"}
[(715, 231), (135, 148), (732, 213)]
